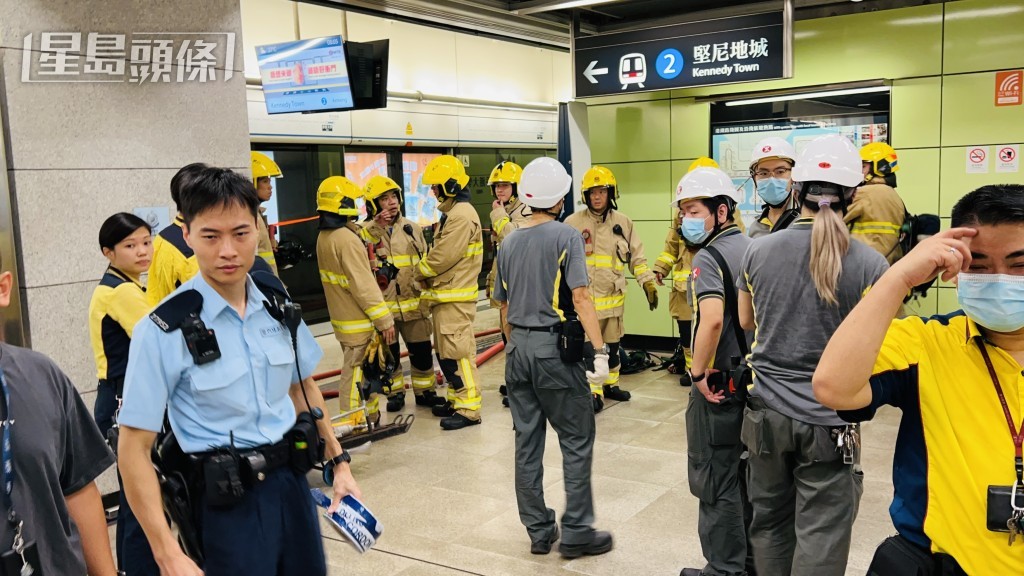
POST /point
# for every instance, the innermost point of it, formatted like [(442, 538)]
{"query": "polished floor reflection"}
[(447, 499)]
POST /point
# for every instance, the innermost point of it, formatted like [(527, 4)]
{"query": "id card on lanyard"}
[(1003, 511), (23, 558)]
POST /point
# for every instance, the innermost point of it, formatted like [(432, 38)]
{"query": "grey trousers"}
[(543, 389), (804, 497), (713, 453)]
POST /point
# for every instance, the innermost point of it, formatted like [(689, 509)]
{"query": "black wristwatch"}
[(328, 473), (695, 379)]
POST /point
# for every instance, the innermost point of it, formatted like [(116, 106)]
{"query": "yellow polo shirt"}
[(953, 440)]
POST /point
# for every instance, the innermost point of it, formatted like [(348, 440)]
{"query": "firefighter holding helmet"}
[(449, 273), (508, 213), (396, 246), (612, 245)]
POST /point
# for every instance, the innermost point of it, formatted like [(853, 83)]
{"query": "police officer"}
[(508, 213), (542, 286), (674, 263), (396, 247), (707, 200), (354, 299), (611, 245), (877, 213), (263, 169), (771, 166), (222, 365), (450, 271), (174, 262)]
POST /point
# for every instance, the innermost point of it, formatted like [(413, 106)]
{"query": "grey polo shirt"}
[(537, 269), (793, 323), (707, 280), (57, 450)]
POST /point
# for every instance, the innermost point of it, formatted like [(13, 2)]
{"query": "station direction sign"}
[(709, 52)]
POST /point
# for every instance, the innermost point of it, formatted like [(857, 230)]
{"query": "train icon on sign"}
[(633, 70)]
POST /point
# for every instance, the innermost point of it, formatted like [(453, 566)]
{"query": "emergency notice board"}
[(720, 51)]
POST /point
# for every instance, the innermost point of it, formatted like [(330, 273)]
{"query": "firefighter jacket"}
[(353, 297), (876, 217), (674, 266), (265, 247), (504, 221), (451, 267), (608, 255), (401, 245)]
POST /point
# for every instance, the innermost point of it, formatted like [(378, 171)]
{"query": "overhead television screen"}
[(305, 75)]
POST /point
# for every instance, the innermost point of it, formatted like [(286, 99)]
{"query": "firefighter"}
[(354, 300), (263, 169), (674, 263), (508, 213), (877, 213), (449, 272), (771, 166), (395, 246), (612, 244)]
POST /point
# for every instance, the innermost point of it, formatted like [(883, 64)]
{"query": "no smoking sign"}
[(977, 160)]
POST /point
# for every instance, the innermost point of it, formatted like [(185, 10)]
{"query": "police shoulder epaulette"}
[(270, 285), (170, 315)]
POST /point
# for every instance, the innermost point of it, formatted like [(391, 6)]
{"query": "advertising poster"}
[(360, 167), (731, 147), (420, 204)]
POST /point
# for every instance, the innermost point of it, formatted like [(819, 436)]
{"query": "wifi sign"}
[(1008, 88)]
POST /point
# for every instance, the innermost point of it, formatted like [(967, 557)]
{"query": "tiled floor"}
[(448, 504)]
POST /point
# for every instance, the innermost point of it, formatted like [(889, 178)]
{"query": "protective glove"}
[(652, 293), (600, 373)]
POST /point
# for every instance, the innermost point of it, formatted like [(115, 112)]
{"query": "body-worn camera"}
[(200, 340)]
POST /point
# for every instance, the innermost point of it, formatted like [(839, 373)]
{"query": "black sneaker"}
[(396, 403), (691, 572), (616, 393), (503, 390), (443, 410), (598, 403), (504, 401), (457, 421), (685, 380), (599, 544), (429, 399), (544, 546)]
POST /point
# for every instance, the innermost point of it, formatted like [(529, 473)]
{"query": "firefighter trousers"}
[(349, 397), (455, 346), (416, 334)]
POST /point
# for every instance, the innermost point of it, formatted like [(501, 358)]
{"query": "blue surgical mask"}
[(693, 230), (995, 301), (773, 191)]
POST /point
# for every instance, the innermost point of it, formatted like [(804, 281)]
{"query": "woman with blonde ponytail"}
[(796, 286)]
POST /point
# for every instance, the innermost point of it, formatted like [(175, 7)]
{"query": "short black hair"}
[(183, 178), (217, 187), (990, 205), (118, 227), (712, 205)]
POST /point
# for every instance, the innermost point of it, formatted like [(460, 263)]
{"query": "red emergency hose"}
[(480, 359)]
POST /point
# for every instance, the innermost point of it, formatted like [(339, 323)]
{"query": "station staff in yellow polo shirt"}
[(959, 383), (174, 263)]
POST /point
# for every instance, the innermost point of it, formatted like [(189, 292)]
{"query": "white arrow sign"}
[(591, 72)]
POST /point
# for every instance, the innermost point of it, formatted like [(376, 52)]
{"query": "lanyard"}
[(1017, 436)]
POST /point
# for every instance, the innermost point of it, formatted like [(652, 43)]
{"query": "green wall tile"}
[(915, 112), (645, 189), (970, 116), (631, 132), (947, 301), (918, 179), (652, 234), (902, 43), (983, 35), (955, 181), (691, 128), (640, 320)]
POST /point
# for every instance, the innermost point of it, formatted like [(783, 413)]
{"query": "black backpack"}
[(915, 229), (635, 361)]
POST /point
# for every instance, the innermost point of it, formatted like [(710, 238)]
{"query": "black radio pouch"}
[(222, 479), (999, 509), (570, 341), (305, 446)]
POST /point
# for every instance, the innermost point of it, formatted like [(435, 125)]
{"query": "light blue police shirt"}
[(245, 391)]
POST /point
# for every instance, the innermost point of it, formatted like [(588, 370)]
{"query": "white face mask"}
[(995, 301)]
